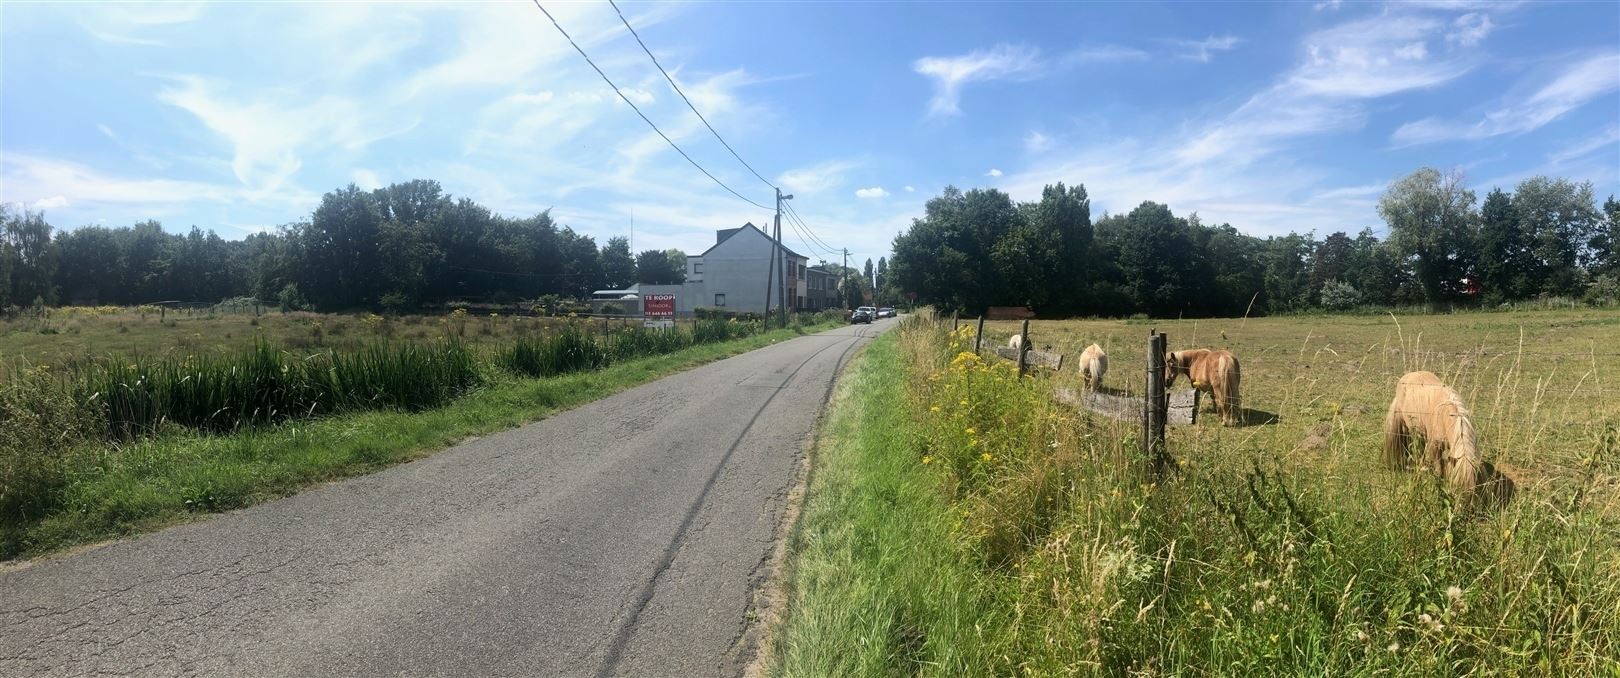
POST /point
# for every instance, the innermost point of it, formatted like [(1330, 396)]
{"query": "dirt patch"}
[(1317, 438)]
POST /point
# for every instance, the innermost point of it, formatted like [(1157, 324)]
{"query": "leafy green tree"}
[(1605, 243), (1156, 257), (945, 257), (1506, 265), (618, 266), (1430, 216), (657, 267), (1332, 260), (1288, 274), (26, 238), (1559, 217)]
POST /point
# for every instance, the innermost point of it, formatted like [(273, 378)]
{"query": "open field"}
[(73, 334), (1544, 386), (117, 444), (959, 522)]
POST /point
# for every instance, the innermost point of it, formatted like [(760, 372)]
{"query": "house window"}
[(697, 268), (719, 300)]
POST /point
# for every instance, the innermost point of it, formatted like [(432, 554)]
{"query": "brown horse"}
[(1215, 372), (1093, 365), (1425, 410)]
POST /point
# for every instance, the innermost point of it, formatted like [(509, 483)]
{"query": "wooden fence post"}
[(1023, 349), (1155, 403), (955, 321), (978, 336)]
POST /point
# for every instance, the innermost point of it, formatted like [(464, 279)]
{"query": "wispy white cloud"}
[(993, 172), (51, 203), (816, 178), (268, 137), (134, 23), (1204, 50), (1469, 29), (1104, 54), (1331, 5), (950, 74), (107, 131), (1579, 83), (1035, 142), (1216, 168), (1584, 147), (30, 178), (870, 193), (366, 179), (909, 189)]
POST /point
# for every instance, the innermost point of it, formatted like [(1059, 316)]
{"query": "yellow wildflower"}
[(985, 456), (970, 431), (934, 408)]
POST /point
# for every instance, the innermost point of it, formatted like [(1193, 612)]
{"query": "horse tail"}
[(1234, 382), (1395, 434)]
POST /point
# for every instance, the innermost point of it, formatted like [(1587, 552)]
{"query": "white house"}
[(731, 275)]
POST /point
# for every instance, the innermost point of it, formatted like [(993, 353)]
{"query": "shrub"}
[(40, 423), (1338, 295)]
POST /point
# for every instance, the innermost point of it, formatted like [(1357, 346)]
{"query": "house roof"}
[(725, 234)]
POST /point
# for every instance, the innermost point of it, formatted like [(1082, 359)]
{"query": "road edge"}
[(768, 606)]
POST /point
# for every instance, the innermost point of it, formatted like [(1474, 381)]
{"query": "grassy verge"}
[(876, 586), (152, 483), (958, 522)]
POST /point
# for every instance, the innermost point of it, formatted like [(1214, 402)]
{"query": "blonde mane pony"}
[(1425, 410), (1214, 372), (1017, 341), (1093, 365)]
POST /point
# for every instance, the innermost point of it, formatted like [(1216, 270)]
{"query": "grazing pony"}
[(1093, 365), (1215, 372), (1017, 341), (1425, 410)]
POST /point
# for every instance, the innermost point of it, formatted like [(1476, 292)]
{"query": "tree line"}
[(974, 249), (396, 248)]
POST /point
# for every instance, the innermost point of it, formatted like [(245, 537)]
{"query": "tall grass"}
[(66, 427), (222, 392), (1048, 548)]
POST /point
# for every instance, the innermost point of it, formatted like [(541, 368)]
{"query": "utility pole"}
[(843, 272), (777, 251)]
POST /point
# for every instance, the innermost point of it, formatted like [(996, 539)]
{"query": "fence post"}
[(954, 321), (1155, 403), (1023, 349), (978, 336)]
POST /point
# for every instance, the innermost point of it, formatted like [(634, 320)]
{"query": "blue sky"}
[(1271, 116)]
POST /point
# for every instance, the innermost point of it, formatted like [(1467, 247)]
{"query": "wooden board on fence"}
[(1034, 358), (1009, 313), (1183, 404)]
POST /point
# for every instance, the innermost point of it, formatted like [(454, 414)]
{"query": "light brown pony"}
[(1093, 365), (1425, 410), (1215, 372)]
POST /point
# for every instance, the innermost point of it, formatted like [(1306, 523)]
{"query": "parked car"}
[(885, 312), (864, 314)]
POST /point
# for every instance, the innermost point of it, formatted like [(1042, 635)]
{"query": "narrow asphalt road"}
[(624, 537)]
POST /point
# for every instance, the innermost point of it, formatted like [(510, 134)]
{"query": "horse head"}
[(1172, 367)]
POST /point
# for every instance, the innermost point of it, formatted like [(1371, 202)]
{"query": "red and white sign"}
[(658, 305)]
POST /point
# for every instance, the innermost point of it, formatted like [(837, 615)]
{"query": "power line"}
[(689, 104), (795, 215), (637, 109)]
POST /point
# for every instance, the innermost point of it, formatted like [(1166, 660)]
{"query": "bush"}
[(40, 424), (291, 300), (1338, 295)]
